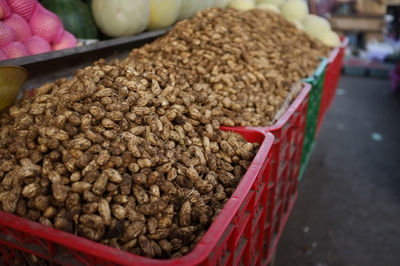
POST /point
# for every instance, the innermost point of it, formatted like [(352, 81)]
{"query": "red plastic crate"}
[(332, 77), (235, 237), (286, 151), (289, 132), (289, 135)]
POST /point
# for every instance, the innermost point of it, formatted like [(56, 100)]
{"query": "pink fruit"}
[(37, 45), (68, 41), (60, 34), (21, 28), (2, 56), (24, 8), (5, 11), (45, 24), (7, 34), (14, 50)]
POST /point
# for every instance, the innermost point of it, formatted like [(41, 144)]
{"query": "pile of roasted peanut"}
[(130, 153), (248, 60), (121, 156)]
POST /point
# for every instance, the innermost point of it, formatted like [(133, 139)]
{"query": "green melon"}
[(76, 17)]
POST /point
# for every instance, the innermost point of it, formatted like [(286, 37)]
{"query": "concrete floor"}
[(348, 210)]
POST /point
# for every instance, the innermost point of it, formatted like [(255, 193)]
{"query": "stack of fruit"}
[(118, 18), (27, 28), (296, 11)]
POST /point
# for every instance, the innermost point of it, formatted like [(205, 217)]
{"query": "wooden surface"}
[(392, 2), (370, 36), (371, 7), (358, 23), (48, 67)]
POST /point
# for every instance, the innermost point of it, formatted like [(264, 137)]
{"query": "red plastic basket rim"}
[(285, 117), (292, 108), (199, 254), (345, 42), (336, 51), (334, 54)]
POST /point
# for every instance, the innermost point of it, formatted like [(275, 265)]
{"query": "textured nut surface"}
[(129, 153)]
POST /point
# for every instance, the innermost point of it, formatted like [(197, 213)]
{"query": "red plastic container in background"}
[(243, 233), (286, 151), (332, 77)]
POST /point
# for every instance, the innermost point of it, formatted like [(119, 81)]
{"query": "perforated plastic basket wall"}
[(289, 133), (245, 232), (314, 103), (285, 167), (332, 76)]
